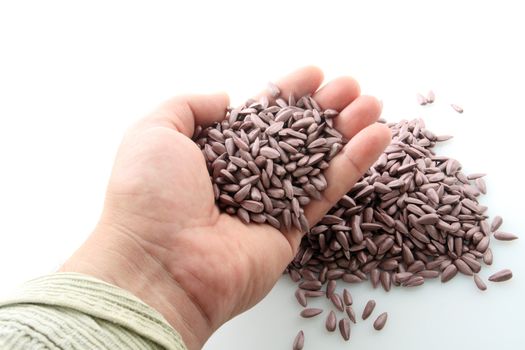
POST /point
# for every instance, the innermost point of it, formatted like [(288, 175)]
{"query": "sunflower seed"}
[(344, 328), (500, 276), (457, 108), (479, 283), (504, 236), (369, 308), (331, 322), (311, 312), (380, 321), (298, 342)]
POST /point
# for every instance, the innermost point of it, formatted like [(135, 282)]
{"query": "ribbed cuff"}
[(99, 299)]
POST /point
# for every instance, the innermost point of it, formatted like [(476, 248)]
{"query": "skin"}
[(162, 237)]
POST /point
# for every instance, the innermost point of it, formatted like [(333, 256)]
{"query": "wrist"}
[(120, 258)]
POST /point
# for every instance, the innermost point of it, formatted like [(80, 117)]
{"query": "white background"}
[(75, 74)]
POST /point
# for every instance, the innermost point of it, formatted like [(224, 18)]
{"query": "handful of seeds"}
[(266, 159)]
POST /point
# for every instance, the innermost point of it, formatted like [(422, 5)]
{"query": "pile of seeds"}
[(413, 216), (266, 160)]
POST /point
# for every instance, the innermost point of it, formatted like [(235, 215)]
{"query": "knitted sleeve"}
[(75, 311)]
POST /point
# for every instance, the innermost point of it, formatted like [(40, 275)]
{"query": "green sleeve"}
[(75, 311)]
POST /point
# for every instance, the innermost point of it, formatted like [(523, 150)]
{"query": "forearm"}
[(69, 310), (118, 258)]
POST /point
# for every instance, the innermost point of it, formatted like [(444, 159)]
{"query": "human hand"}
[(161, 235)]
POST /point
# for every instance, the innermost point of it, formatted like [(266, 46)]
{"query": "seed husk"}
[(298, 342), (347, 297), (301, 297), (504, 236), (331, 322), (380, 321), (337, 301), (488, 257), (344, 328), (496, 223), (369, 308), (351, 314), (448, 273), (456, 108), (311, 312), (500, 276), (479, 283)]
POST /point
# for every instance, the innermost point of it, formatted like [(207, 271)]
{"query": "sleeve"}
[(74, 311)]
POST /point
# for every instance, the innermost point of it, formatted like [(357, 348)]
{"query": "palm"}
[(163, 183)]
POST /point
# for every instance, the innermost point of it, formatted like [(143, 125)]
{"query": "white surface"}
[(74, 75)]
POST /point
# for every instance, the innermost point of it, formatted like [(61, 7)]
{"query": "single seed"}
[(311, 312), (369, 308), (344, 328), (500, 276), (380, 321), (479, 283), (504, 236), (298, 342), (331, 322), (457, 108), (496, 223)]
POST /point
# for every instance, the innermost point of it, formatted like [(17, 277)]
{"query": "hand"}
[(162, 237)]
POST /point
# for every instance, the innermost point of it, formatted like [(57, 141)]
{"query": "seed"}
[(331, 322), (476, 176), (428, 219), (336, 300), (351, 314), (269, 152), (487, 257), (483, 244), (496, 223), (430, 97), (504, 236), (298, 342), (448, 273), (500, 276), (380, 321), (310, 285), (463, 267), (311, 312), (369, 308), (344, 328), (421, 99), (274, 128), (479, 283), (301, 297), (347, 297), (253, 206), (457, 108)]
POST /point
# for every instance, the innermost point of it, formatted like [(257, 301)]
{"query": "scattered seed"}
[(311, 312), (347, 297), (457, 108), (479, 283), (380, 321), (301, 297), (331, 322), (351, 314), (369, 308), (344, 328), (500, 276), (421, 99), (504, 236), (298, 342), (496, 223)]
